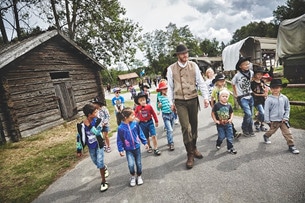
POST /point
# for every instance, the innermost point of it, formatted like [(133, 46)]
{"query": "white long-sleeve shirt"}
[(199, 81)]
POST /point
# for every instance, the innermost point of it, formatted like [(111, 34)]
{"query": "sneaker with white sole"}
[(140, 180), (104, 187), (293, 150), (217, 147), (266, 140), (132, 181), (232, 151)]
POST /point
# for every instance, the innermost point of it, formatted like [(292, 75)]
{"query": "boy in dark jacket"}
[(89, 133)]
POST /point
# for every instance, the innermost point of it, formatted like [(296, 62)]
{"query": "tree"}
[(258, 29), (292, 9), (97, 26), (19, 12), (160, 45), (210, 48)]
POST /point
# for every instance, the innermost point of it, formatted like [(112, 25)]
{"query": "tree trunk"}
[(18, 29), (3, 31), (55, 14)]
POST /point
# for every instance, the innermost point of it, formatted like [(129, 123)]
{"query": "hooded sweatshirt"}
[(130, 136), (277, 108)]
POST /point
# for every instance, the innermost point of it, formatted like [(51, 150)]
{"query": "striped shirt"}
[(166, 107)]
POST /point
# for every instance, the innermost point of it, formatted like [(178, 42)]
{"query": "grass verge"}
[(28, 167)]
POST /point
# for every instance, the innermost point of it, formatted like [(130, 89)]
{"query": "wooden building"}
[(44, 81), (129, 78)]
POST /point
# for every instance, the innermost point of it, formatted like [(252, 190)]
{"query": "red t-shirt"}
[(145, 113)]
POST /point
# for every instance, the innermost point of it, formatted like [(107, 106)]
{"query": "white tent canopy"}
[(248, 47)]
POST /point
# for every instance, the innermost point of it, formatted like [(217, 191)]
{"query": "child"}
[(222, 114), (144, 113), (129, 138), (118, 102), (89, 133), (220, 84), (104, 115), (145, 90), (241, 83), (210, 75), (277, 110), (260, 92), (167, 114)]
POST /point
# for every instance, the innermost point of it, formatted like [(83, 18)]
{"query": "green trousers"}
[(188, 117)]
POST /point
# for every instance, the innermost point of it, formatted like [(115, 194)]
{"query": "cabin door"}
[(67, 104)]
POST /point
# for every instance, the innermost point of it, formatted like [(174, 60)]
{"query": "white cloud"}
[(206, 19)]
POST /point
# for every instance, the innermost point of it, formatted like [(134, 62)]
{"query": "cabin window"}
[(59, 75)]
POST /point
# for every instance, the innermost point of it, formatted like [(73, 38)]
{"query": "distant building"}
[(129, 78)]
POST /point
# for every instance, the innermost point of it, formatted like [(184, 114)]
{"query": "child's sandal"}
[(149, 150)]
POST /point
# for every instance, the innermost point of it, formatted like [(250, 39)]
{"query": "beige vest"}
[(184, 81)]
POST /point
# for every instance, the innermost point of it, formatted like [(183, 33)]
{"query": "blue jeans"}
[(247, 106), (168, 119), (134, 158), (225, 131), (97, 156), (261, 111)]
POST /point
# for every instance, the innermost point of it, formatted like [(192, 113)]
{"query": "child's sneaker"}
[(157, 152), (257, 127), (104, 187), (237, 135), (108, 149), (176, 122), (140, 180), (171, 147), (293, 150), (266, 139), (232, 151), (132, 181), (106, 171), (263, 128)]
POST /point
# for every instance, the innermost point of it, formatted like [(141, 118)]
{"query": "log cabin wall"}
[(47, 86)]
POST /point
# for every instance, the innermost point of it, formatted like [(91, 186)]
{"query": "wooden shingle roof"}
[(12, 52), (128, 76)]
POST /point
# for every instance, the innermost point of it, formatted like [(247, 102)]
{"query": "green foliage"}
[(292, 9), (261, 29), (160, 45)]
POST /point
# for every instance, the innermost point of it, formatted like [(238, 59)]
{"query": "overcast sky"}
[(205, 18)]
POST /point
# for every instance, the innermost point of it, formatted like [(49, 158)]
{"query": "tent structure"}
[(291, 37), (254, 47)]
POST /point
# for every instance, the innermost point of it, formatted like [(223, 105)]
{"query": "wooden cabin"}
[(45, 80), (129, 78)]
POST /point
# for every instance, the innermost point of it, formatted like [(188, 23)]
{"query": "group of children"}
[(136, 125), (251, 90)]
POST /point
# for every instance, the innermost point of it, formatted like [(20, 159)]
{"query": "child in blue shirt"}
[(118, 102), (129, 138), (89, 133), (167, 114)]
